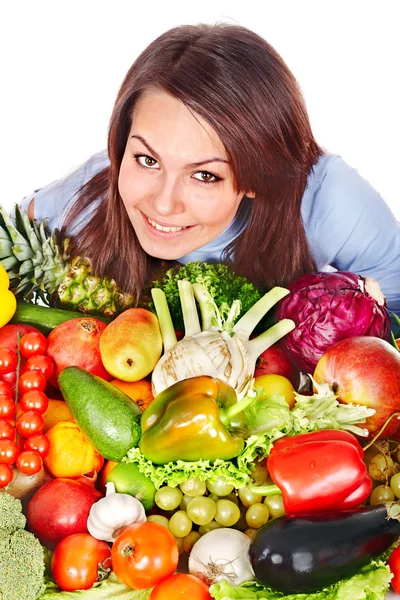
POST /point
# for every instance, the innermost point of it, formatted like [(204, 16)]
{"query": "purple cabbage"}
[(328, 307)]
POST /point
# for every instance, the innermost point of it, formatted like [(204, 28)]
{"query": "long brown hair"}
[(238, 83)]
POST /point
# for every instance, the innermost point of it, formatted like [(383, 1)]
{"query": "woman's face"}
[(175, 179)]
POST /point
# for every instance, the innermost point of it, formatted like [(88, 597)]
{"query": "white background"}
[(63, 61)]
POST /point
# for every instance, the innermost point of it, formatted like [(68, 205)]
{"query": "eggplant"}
[(304, 554)]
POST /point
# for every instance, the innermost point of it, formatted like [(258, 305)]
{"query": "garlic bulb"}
[(113, 512), (218, 350)]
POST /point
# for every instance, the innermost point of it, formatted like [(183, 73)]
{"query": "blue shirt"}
[(349, 226)]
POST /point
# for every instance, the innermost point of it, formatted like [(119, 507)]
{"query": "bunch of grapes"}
[(196, 507), (24, 375), (383, 462)]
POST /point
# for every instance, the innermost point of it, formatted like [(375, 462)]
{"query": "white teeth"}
[(161, 228)]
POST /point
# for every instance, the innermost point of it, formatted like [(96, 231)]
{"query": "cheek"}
[(129, 187)]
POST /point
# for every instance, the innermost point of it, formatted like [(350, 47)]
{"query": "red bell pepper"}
[(317, 472)]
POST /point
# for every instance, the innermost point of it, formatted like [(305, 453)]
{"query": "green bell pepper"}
[(194, 419)]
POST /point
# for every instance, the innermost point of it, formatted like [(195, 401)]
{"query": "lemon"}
[(276, 384)]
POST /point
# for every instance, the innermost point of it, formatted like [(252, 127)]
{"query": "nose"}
[(168, 200)]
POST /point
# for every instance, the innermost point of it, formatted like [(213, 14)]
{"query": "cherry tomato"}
[(11, 378), (8, 360), (44, 364), (29, 462), (32, 344), (78, 560), (29, 423), (39, 443), (7, 407), (34, 400), (187, 587), (394, 566), (6, 475), (31, 380), (7, 431), (144, 554), (8, 452), (5, 389)]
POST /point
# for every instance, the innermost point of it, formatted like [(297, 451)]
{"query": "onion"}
[(222, 554), (24, 486)]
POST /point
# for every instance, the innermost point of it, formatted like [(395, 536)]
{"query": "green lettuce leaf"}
[(370, 583), (108, 588)]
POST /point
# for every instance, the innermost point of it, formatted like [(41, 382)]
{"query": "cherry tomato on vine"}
[(144, 554), (8, 360), (7, 431), (34, 400), (29, 423), (79, 560), (44, 364), (38, 443), (8, 452), (7, 407), (11, 378), (5, 389), (6, 475), (29, 462), (32, 344), (181, 586), (31, 380)]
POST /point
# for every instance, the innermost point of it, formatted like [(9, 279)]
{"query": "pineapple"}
[(37, 265)]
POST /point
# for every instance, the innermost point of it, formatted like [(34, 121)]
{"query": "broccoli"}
[(21, 555), (220, 281)]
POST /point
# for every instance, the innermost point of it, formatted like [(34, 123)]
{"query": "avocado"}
[(106, 415)]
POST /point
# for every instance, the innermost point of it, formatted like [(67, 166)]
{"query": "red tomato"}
[(11, 378), (29, 462), (144, 554), (7, 407), (44, 364), (8, 452), (32, 344), (7, 431), (5, 389), (394, 566), (34, 400), (39, 443), (30, 423), (182, 586), (78, 560), (31, 380), (6, 475), (8, 360)]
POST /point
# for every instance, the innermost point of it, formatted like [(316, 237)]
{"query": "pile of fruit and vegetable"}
[(213, 442)]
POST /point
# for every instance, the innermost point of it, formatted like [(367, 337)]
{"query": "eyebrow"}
[(190, 165)]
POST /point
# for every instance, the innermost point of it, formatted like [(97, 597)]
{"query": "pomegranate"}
[(365, 370), (75, 343), (60, 508), (273, 361)]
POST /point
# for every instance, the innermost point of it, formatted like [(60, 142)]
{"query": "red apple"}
[(8, 335), (273, 361), (365, 370), (60, 508)]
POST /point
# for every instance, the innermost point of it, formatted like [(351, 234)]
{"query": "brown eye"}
[(206, 177), (143, 160), (150, 162)]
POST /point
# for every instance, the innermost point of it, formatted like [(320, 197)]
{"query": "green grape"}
[(241, 524), (159, 519), (209, 527), (247, 497), (395, 484), (213, 497), (220, 487), (185, 501), (193, 487), (179, 524), (201, 510), (381, 494), (275, 505), (380, 467), (260, 472), (179, 543), (233, 498), (257, 515), (228, 513), (189, 541), (250, 532), (168, 498)]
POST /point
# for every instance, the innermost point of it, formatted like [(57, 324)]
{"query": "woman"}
[(211, 156)]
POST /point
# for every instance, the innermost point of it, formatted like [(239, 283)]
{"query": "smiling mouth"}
[(164, 228)]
